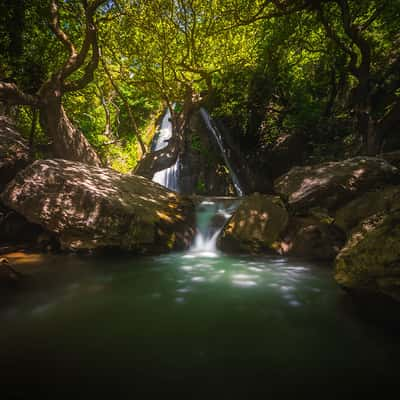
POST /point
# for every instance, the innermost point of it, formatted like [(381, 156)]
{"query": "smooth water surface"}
[(189, 324)]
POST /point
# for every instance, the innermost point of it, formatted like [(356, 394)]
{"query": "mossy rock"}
[(370, 261), (366, 205), (312, 238), (256, 225)]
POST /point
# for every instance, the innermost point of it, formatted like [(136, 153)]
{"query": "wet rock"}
[(330, 185), (14, 152), (203, 170), (256, 225), (313, 239), (90, 208), (370, 261)]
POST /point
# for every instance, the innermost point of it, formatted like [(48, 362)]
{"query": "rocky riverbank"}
[(345, 212)]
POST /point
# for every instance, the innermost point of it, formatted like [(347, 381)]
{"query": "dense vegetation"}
[(328, 69)]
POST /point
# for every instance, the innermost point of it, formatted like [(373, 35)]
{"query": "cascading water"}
[(218, 137), (212, 213), (168, 177), (211, 216)]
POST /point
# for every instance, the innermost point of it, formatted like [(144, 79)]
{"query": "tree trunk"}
[(68, 142)]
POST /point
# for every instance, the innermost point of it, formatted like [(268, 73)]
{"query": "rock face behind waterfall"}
[(14, 152), (256, 225), (204, 171), (89, 207), (331, 184)]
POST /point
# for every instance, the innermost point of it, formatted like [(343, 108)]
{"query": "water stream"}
[(212, 214), (198, 323), (218, 137), (168, 177)]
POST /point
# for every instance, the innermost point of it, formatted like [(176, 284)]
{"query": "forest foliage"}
[(327, 68)]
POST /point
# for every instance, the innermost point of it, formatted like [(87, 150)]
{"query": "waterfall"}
[(167, 177), (211, 217), (218, 137)]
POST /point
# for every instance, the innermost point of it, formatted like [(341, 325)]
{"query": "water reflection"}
[(171, 311), (187, 274)]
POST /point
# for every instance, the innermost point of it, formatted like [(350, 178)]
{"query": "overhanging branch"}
[(56, 28), (12, 95), (77, 59)]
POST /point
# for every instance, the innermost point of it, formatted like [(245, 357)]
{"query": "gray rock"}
[(256, 225), (330, 185), (370, 261), (90, 207), (369, 203), (312, 239), (14, 152)]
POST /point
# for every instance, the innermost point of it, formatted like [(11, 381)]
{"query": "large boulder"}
[(90, 207), (331, 184), (312, 238), (256, 225), (369, 203), (370, 261), (14, 152)]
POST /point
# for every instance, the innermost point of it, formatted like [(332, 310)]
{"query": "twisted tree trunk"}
[(67, 141)]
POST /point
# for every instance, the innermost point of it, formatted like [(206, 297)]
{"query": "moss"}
[(372, 256)]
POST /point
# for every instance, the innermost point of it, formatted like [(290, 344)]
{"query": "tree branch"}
[(76, 59), (127, 106), (354, 33), (89, 71), (55, 27), (12, 95), (374, 16), (389, 121), (281, 9)]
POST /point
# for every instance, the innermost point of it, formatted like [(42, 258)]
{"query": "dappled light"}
[(199, 197), (255, 225), (92, 207), (332, 183), (22, 258)]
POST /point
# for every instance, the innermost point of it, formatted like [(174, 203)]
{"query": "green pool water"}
[(192, 324)]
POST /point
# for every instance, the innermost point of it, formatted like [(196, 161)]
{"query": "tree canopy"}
[(327, 68)]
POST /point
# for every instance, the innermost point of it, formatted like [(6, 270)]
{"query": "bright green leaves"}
[(173, 45)]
